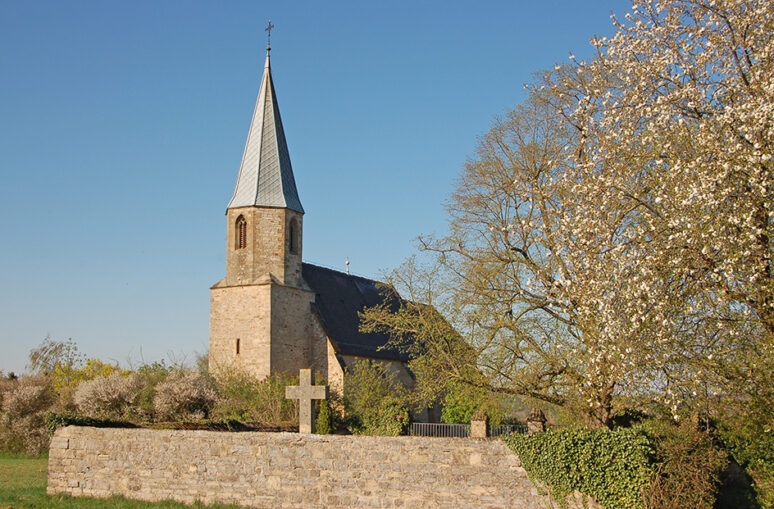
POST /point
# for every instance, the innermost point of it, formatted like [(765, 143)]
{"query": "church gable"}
[(339, 297)]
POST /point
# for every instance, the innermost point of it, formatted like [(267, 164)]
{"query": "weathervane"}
[(268, 39)]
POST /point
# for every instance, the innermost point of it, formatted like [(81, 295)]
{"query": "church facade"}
[(273, 312)]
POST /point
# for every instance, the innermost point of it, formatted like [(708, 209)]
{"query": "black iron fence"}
[(430, 429), (504, 429)]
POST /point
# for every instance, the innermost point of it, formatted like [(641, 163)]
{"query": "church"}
[(273, 312)]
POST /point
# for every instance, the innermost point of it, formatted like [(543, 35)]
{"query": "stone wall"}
[(268, 246), (288, 469), (241, 312), (274, 323), (292, 331), (324, 359)]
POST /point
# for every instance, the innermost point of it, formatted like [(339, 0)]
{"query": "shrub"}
[(6, 386), (375, 402), (652, 465), (66, 377), (612, 467), (107, 397), (150, 376), (688, 466), (391, 419), (22, 416), (243, 397), (324, 423), (184, 395), (753, 449)]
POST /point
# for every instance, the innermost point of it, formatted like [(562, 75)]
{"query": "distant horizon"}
[(124, 125)]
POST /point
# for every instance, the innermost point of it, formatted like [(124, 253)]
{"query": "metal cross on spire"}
[(268, 39)]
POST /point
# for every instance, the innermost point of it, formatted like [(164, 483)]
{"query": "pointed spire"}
[(266, 176)]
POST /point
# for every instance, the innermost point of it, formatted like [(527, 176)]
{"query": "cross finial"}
[(268, 39)]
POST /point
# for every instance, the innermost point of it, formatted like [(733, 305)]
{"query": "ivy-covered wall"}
[(612, 467)]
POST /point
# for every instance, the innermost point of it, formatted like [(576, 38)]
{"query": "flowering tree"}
[(611, 241), (683, 142), (512, 282)]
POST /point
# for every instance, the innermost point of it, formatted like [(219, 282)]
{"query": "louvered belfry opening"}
[(241, 232)]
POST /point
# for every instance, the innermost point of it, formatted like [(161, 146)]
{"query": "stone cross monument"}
[(306, 392)]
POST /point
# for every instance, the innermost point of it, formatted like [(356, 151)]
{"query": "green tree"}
[(375, 402), (462, 402), (520, 299)]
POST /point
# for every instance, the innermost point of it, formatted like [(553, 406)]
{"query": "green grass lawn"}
[(23, 484)]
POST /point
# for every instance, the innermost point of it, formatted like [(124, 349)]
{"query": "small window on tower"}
[(293, 236), (237, 346), (241, 232)]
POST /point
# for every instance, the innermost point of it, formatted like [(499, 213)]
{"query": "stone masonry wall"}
[(241, 312), (268, 246), (324, 360), (292, 329), (288, 469)]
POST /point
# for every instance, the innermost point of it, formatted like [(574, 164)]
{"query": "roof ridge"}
[(320, 266)]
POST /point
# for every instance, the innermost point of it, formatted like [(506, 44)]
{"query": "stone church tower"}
[(272, 312), (260, 317)]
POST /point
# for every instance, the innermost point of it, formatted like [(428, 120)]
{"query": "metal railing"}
[(431, 429), (502, 429)]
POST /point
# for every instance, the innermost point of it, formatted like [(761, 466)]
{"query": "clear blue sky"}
[(122, 125)]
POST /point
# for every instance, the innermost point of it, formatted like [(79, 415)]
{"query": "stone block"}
[(478, 429)]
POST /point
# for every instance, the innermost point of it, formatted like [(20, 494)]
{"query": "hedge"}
[(612, 467)]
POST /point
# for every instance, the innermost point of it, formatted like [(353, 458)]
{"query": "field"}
[(23, 485)]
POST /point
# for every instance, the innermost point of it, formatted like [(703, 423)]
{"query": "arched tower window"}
[(237, 346), (293, 236), (241, 232)]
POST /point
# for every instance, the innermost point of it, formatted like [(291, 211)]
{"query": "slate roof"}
[(339, 298), (265, 175)]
